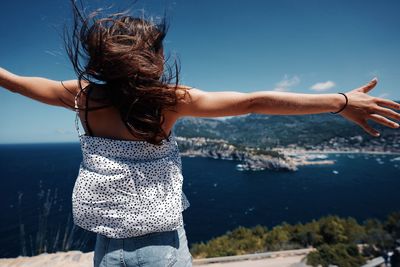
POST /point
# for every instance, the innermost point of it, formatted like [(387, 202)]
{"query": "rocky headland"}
[(249, 158)]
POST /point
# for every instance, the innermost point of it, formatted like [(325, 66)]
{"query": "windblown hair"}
[(124, 55)]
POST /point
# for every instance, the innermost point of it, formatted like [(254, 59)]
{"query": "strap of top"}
[(77, 113), (75, 107)]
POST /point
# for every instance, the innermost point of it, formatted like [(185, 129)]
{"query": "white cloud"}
[(323, 86), (286, 83)]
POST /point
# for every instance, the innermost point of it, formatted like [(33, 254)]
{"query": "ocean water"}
[(37, 180)]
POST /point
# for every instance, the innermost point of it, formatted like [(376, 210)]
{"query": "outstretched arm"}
[(41, 89), (361, 107)]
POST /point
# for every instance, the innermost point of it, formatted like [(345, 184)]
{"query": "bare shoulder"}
[(182, 90), (188, 98), (188, 94), (184, 96), (198, 103)]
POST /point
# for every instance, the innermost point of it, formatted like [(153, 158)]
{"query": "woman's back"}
[(126, 187), (106, 122)]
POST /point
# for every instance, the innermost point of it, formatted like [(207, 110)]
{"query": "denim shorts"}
[(159, 249)]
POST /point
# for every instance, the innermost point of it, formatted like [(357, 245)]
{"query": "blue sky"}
[(304, 46)]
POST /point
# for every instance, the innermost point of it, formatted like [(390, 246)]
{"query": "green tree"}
[(376, 236), (335, 238), (307, 234), (276, 238), (392, 225), (342, 255), (332, 230), (353, 230)]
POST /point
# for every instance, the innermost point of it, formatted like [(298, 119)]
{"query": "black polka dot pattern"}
[(128, 188)]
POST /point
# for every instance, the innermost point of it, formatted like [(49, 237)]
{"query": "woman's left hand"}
[(362, 107)]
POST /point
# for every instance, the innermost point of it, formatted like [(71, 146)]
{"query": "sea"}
[(37, 181)]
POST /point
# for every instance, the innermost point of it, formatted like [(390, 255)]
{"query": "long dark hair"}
[(124, 55)]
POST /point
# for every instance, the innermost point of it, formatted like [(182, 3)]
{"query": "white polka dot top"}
[(128, 188)]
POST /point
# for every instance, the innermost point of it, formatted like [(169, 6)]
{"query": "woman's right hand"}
[(362, 107)]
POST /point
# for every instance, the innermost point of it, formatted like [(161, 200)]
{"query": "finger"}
[(368, 87), (387, 112), (384, 121), (369, 129), (387, 103)]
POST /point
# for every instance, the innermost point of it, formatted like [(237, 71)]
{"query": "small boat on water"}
[(240, 167), (395, 159)]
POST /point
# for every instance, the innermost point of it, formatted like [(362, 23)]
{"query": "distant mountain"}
[(269, 131)]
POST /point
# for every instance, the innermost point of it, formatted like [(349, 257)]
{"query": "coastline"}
[(293, 158), (303, 157), (363, 152), (278, 158), (289, 151)]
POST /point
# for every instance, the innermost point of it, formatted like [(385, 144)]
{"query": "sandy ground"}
[(292, 261), (59, 259), (79, 259)]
